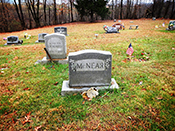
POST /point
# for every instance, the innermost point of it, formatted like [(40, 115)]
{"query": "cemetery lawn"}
[(30, 95)]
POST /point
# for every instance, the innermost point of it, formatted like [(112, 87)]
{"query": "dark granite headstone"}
[(56, 46), (61, 30), (89, 68), (13, 40)]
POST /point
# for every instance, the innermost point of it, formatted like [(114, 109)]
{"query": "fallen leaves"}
[(37, 128), (56, 83), (27, 118)]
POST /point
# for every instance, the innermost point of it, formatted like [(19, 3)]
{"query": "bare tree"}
[(20, 13), (34, 10)]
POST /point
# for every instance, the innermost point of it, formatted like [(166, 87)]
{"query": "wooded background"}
[(27, 14)]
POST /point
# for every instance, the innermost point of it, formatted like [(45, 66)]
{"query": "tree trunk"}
[(167, 8), (45, 16), (4, 18), (55, 12), (121, 10), (128, 9), (172, 10), (71, 8), (134, 16), (49, 16), (115, 15), (153, 8), (112, 15), (161, 3)]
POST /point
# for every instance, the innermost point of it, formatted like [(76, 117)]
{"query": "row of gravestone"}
[(87, 68), (15, 40)]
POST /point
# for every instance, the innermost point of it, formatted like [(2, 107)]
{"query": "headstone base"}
[(12, 44), (66, 90), (39, 41), (61, 61)]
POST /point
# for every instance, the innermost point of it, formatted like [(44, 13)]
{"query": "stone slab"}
[(66, 90), (60, 61)]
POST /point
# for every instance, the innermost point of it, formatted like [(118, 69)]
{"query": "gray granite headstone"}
[(89, 68), (61, 30), (41, 37), (13, 40), (56, 46)]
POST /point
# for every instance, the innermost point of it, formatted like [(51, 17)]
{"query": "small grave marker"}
[(41, 37), (136, 26), (13, 40), (154, 18), (61, 30)]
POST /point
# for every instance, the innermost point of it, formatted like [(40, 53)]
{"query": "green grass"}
[(36, 89)]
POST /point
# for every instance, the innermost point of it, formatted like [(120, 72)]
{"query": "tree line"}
[(27, 14)]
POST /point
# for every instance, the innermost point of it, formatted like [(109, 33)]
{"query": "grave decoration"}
[(119, 26), (163, 24), (89, 68), (171, 25), (131, 27), (61, 30), (90, 94), (27, 36), (130, 51), (139, 57), (110, 29), (13, 40), (41, 37), (56, 50)]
